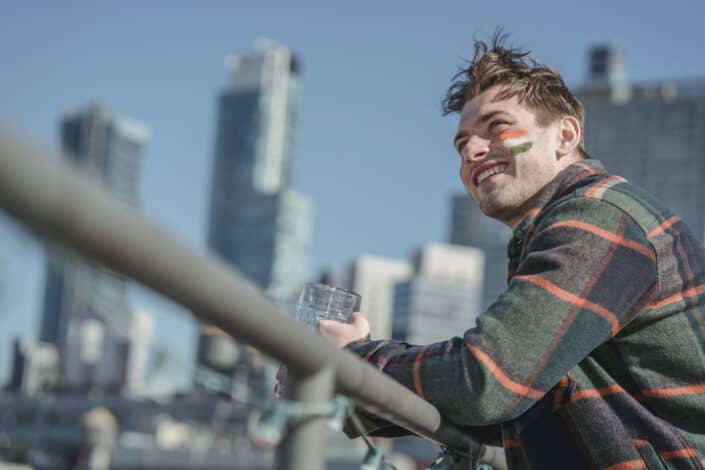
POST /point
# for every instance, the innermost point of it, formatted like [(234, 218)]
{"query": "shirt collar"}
[(561, 184)]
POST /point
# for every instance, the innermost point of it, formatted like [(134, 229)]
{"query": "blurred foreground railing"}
[(47, 196)]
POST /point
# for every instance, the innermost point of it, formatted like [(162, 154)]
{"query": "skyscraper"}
[(443, 297), (82, 299), (470, 227), (257, 222), (653, 134), (373, 277)]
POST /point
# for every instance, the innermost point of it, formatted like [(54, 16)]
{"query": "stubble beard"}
[(508, 206), (502, 207)]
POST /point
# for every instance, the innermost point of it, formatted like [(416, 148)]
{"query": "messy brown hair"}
[(537, 86)]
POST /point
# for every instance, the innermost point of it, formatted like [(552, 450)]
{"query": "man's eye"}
[(498, 124), (459, 146)]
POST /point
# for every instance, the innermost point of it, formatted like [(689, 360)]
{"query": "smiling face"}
[(506, 156)]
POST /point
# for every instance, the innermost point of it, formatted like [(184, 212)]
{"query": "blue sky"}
[(373, 151)]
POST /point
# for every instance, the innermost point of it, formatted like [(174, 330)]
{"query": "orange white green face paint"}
[(516, 141)]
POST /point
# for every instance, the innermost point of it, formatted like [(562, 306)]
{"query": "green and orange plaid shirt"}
[(594, 356)]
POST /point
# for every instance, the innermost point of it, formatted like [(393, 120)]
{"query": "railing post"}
[(304, 444)]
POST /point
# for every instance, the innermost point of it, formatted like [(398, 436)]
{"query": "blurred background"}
[(297, 142)]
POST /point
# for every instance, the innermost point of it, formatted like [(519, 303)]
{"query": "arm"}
[(359, 327), (587, 270)]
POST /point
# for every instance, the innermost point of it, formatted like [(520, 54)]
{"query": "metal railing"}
[(56, 203)]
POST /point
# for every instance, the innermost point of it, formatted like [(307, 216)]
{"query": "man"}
[(594, 356)]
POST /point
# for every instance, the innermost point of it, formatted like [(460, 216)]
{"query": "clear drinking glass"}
[(320, 302), (323, 302)]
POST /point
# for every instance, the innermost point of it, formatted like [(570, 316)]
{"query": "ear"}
[(569, 135)]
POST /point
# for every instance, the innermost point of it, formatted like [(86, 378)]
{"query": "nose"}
[(475, 149)]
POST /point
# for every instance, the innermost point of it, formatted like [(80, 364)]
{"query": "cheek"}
[(465, 173)]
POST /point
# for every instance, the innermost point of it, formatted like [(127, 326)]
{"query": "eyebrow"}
[(483, 119)]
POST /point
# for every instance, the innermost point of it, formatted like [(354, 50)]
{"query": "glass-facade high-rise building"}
[(257, 222), (652, 134), (85, 311), (470, 227)]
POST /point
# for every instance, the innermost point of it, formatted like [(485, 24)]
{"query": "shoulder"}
[(589, 223), (605, 202)]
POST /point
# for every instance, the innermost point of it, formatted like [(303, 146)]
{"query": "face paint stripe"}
[(513, 134), (509, 143), (516, 141), (521, 148)]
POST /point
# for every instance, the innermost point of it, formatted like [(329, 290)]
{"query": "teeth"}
[(491, 171)]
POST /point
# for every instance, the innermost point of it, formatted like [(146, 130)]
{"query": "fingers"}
[(357, 318), (360, 323), (326, 325)]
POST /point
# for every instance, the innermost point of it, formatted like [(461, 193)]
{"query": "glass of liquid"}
[(323, 302), (320, 302)]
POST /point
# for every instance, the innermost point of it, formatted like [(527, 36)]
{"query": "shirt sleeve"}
[(586, 270)]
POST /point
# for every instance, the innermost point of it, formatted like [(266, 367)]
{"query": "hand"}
[(357, 328)]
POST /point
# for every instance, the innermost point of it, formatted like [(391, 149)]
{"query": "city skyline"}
[(372, 147)]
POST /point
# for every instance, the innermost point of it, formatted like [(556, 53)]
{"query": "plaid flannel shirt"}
[(594, 356)]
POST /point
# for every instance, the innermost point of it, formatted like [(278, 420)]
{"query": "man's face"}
[(506, 157)]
